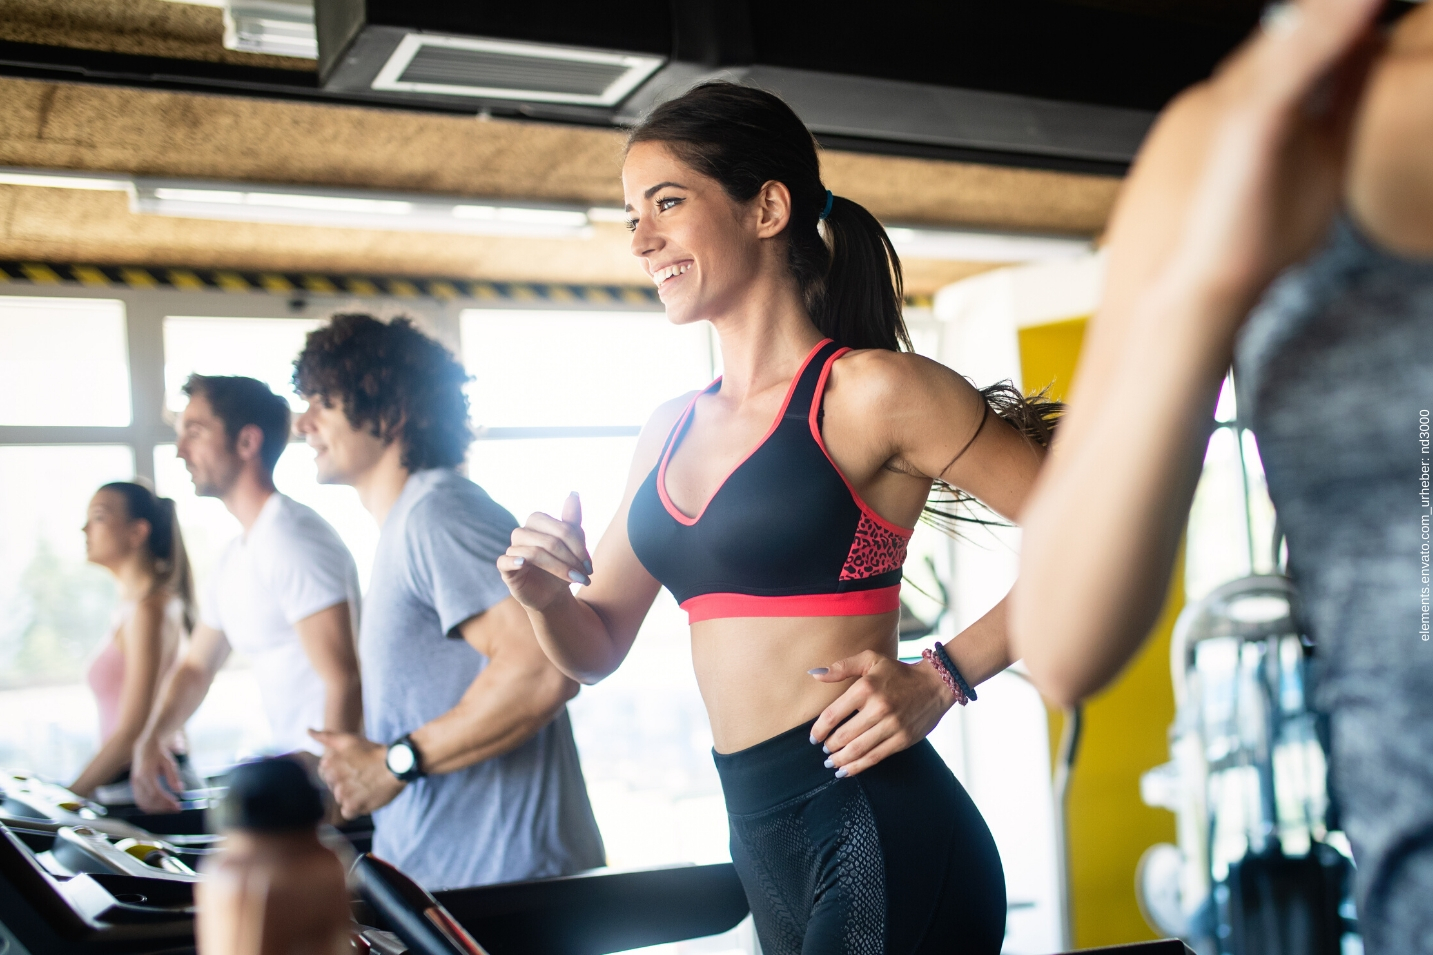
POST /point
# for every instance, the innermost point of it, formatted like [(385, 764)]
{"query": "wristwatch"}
[(404, 761)]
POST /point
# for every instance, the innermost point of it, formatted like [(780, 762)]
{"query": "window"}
[(574, 369), (262, 348), (75, 343)]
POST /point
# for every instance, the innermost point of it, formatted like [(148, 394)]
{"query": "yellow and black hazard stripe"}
[(301, 283)]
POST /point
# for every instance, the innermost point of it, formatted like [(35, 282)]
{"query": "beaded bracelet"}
[(945, 677), (966, 690)]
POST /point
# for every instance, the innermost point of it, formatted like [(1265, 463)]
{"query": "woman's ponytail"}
[(176, 575), (862, 300), (165, 545)]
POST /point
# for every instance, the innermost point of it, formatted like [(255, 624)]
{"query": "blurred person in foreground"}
[(284, 593), (1280, 216), (134, 535), (469, 766)]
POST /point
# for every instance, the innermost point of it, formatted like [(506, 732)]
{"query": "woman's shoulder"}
[(874, 376), (879, 364)]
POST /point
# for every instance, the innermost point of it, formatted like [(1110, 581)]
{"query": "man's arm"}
[(327, 639), (179, 697), (517, 694)]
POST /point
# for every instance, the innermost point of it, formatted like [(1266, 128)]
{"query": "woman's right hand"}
[(151, 763), (547, 556)]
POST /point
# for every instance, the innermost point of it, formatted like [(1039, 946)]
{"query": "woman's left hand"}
[(894, 705)]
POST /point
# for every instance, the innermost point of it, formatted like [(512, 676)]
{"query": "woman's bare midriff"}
[(752, 670)]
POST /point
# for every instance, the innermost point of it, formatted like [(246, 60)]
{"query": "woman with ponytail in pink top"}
[(134, 535)]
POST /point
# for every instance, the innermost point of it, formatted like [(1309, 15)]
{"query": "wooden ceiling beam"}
[(84, 127)]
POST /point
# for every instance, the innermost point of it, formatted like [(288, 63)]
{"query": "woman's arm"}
[(587, 636), (143, 644), (931, 423), (1239, 179)]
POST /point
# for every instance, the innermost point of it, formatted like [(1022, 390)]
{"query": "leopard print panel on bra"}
[(876, 550)]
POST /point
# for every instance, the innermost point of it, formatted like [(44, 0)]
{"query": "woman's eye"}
[(664, 204), (631, 225)]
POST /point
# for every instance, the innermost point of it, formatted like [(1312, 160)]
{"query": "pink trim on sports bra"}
[(849, 603), (674, 438)]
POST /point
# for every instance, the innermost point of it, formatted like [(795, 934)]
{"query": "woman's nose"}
[(644, 241)]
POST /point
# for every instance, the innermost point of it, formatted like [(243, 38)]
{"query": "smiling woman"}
[(776, 504)]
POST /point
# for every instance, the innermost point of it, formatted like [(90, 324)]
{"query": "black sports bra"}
[(784, 534)]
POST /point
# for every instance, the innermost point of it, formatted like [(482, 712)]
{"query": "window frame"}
[(145, 310)]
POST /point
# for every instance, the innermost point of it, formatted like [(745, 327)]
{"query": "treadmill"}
[(75, 880)]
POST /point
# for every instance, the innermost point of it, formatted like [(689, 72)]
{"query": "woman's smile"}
[(666, 273)]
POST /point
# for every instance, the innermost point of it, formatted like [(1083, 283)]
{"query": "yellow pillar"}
[(1108, 827)]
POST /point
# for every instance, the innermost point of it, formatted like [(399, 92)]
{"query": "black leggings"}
[(894, 861)]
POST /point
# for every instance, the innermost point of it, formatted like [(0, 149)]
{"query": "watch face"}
[(400, 758)]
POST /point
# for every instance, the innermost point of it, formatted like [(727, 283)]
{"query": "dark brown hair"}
[(393, 380)]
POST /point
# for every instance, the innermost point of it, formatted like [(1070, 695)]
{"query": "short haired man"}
[(475, 777), (284, 592)]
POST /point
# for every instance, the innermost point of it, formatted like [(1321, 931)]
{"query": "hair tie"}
[(827, 211)]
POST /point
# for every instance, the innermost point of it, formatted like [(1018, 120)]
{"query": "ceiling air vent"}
[(496, 69)]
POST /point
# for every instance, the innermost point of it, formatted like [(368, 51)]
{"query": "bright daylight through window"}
[(63, 340)]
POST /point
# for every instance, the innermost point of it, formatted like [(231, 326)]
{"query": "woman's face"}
[(110, 536), (701, 248)]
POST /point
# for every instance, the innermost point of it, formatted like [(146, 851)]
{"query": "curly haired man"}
[(471, 774)]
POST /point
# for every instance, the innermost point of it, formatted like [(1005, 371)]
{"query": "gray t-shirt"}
[(522, 815), (1335, 375)]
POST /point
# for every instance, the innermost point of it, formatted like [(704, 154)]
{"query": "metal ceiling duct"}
[(1050, 83)]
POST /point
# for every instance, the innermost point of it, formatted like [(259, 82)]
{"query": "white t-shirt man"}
[(290, 565)]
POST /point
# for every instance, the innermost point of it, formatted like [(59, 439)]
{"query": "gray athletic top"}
[(1335, 375), (1333, 369), (522, 815)]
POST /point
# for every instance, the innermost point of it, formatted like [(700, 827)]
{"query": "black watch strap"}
[(403, 759)]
